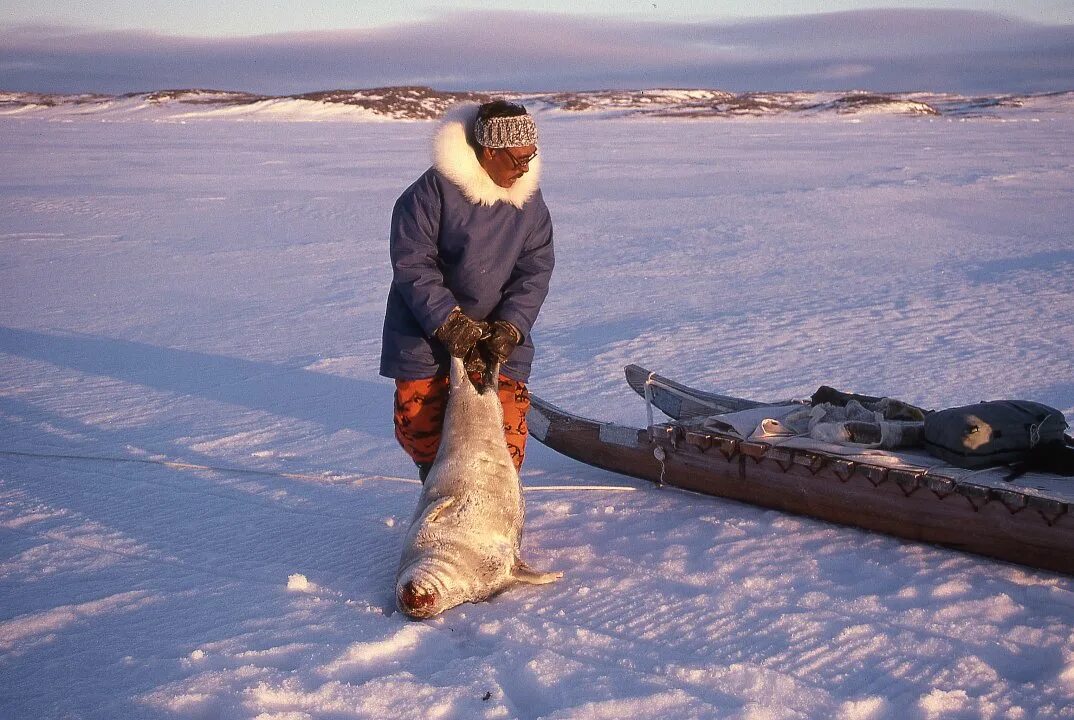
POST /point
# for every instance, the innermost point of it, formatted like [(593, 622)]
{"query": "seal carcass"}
[(465, 537)]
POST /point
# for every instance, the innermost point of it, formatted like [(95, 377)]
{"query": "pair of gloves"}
[(479, 343)]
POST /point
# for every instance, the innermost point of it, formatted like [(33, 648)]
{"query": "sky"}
[(255, 17), (116, 46)]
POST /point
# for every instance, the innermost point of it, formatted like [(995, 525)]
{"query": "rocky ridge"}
[(423, 103)]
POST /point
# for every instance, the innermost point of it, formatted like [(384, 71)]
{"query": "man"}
[(471, 251)]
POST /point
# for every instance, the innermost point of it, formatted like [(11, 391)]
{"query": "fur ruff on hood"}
[(454, 157)]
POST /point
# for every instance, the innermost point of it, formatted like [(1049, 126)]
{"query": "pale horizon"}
[(884, 50), (245, 18)]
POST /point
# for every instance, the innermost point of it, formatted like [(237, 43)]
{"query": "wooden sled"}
[(1027, 521)]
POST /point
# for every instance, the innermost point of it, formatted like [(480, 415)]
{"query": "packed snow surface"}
[(202, 503)]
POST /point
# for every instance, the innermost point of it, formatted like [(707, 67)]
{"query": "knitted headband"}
[(505, 132)]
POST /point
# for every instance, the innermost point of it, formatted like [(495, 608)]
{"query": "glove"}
[(475, 361), (501, 342), (460, 333)]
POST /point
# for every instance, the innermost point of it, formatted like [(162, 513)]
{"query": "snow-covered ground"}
[(198, 307)]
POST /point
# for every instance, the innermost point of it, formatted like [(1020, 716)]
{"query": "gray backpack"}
[(1000, 432)]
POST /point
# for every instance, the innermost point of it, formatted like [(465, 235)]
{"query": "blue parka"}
[(459, 240)]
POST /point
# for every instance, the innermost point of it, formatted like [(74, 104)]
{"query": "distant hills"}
[(423, 103)]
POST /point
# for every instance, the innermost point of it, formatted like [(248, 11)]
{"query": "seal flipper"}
[(523, 573), (434, 511), (491, 378)]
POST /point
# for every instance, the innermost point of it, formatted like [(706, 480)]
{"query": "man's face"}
[(507, 165)]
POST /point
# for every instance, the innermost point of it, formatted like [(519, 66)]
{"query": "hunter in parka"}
[(471, 252)]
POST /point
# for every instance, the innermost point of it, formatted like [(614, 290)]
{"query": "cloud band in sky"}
[(889, 50)]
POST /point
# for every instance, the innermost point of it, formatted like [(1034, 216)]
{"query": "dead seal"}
[(465, 538)]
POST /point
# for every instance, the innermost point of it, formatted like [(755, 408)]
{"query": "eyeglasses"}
[(518, 162)]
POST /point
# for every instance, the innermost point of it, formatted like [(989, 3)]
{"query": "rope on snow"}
[(334, 476)]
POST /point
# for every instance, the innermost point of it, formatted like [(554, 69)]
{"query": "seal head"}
[(418, 601)]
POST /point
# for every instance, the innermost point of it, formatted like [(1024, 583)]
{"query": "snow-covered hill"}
[(421, 103)]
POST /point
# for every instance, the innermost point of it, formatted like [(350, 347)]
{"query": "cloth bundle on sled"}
[(992, 478), (831, 416)]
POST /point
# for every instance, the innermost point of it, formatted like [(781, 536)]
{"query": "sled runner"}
[(908, 494)]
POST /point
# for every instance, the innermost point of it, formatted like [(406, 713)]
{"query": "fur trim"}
[(454, 157)]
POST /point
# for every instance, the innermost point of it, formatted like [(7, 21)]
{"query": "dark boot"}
[(423, 470), (864, 433)]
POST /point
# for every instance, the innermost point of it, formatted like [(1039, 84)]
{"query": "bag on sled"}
[(1001, 432)]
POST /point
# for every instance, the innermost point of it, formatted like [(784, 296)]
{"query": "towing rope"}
[(649, 381), (325, 476)]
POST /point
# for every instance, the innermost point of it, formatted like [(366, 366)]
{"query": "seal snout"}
[(416, 601)]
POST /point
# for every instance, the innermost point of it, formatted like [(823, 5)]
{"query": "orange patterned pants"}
[(419, 416)]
